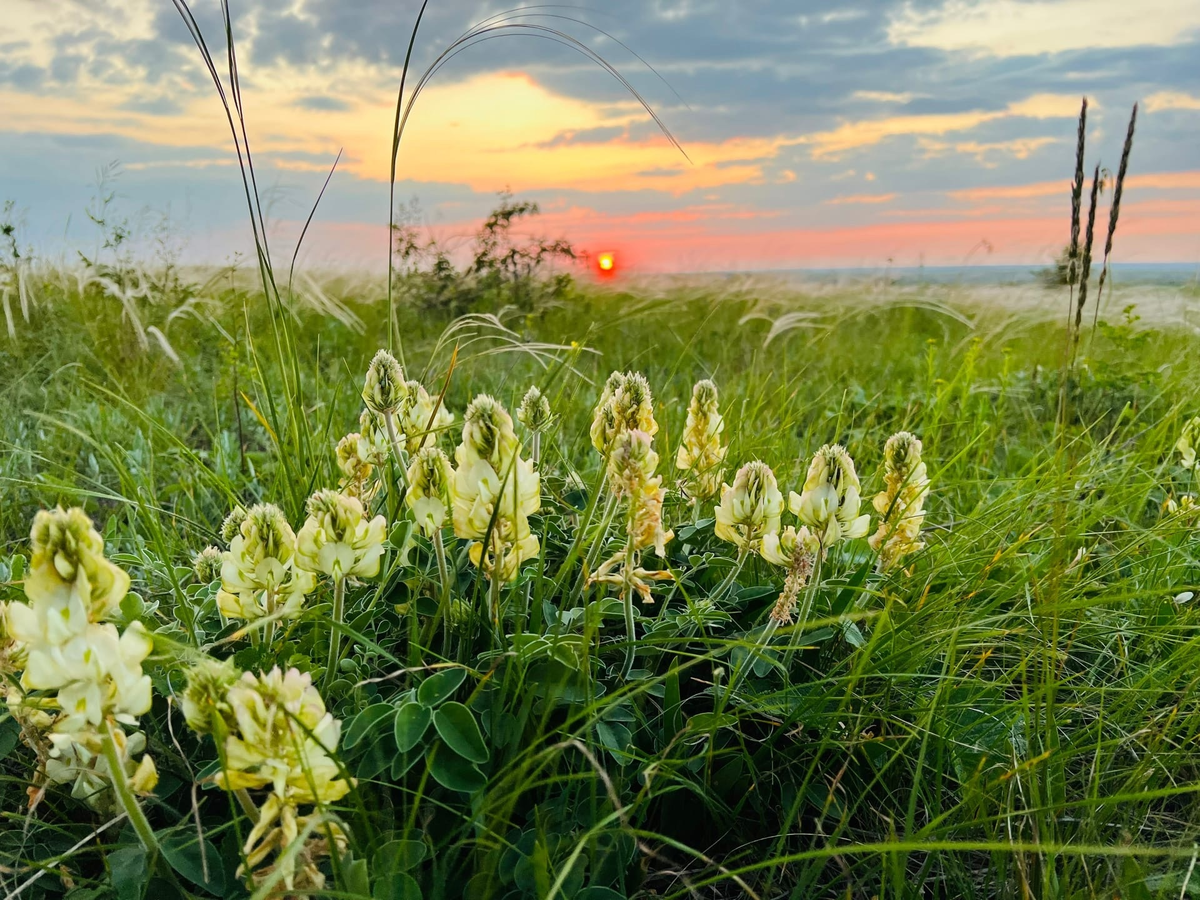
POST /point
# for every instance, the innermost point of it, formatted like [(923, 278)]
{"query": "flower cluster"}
[(1186, 445), (495, 491), (421, 417), (701, 454), (276, 735), (901, 504), (631, 478), (750, 509), (829, 503), (430, 494), (94, 670), (337, 540), (259, 572), (625, 404)]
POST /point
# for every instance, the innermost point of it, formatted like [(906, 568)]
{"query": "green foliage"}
[(507, 267), (1013, 714)]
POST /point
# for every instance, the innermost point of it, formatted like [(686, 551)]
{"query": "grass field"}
[(1010, 711)]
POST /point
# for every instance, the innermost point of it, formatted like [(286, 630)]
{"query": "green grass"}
[(1013, 715)]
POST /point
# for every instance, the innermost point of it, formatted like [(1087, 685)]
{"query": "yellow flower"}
[(1186, 445), (417, 419), (495, 491), (384, 387), (625, 404), (78, 757), (69, 584), (487, 434), (751, 508), (780, 548), (901, 504), (830, 501), (374, 445), (701, 453), (282, 739), (98, 675), (357, 472), (430, 489), (631, 467), (259, 576), (337, 540)]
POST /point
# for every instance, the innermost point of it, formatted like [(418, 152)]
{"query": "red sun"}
[(606, 263)]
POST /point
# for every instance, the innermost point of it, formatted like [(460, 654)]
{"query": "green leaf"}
[(458, 728), (10, 734), (398, 856), (182, 850), (128, 867), (397, 886), (412, 721), (366, 722), (355, 879), (440, 686), (452, 771)]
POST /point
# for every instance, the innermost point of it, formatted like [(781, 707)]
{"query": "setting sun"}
[(606, 262)]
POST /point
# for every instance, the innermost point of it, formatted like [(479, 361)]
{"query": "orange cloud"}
[(867, 132), (862, 198), (1152, 181), (1171, 100)]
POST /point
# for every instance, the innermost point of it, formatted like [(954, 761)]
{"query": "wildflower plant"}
[(901, 504), (701, 454), (495, 493)]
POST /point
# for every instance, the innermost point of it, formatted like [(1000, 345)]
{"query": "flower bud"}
[(232, 523), (207, 565), (384, 387), (534, 412), (204, 698)]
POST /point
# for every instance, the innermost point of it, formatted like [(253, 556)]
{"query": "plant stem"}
[(335, 636), (269, 628), (439, 550), (733, 574), (627, 600), (389, 419), (125, 795)]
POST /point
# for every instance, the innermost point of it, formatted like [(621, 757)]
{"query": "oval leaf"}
[(183, 852), (460, 731), (366, 722), (452, 771), (412, 721), (440, 686)]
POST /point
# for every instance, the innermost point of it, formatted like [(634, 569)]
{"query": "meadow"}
[(1008, 710), (497, 582)]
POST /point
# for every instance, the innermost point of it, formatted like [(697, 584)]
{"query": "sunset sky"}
[(819, 132)]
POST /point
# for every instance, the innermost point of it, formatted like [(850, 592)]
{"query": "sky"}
[(814, 133)]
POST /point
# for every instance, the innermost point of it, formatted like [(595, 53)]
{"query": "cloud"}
[(866, 132), (1007, 28), (863, 198), (884, 96), (986, 152), (322, 103), (1171, 100), (1152, 181)]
